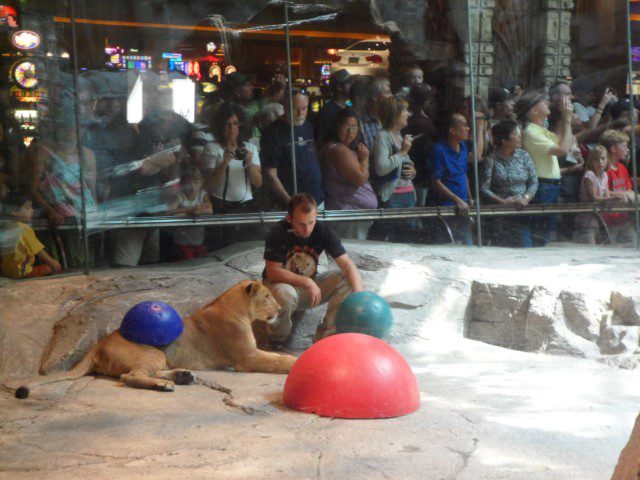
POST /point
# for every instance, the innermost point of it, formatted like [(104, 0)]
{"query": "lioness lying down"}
[(216, 336)]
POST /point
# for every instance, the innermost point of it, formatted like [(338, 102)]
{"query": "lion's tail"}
[(82, 368)]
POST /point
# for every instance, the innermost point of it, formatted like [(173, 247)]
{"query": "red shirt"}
[(618, 180)]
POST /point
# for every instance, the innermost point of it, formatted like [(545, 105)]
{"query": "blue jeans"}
[(404, 230), (435, 231), (461, 229), (512, 232), (543, 227)]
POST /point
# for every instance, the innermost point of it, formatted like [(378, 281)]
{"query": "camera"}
[(241, 153)]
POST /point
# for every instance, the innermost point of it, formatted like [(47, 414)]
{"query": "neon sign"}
[(25, 40)]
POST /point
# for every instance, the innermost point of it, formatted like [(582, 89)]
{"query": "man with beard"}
[(275, 156)]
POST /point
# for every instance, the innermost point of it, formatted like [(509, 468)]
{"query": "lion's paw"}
[(165, 386), (184, 377)]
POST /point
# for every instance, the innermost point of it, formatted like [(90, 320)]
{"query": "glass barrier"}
[(46, 181), (193, 127), (555, 78), (395, 76)]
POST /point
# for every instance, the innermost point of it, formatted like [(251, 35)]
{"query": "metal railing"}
[(114, 223)]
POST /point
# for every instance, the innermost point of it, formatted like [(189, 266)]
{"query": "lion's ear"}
[(252, 288)]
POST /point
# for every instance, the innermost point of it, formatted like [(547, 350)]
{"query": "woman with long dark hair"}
[(344, 160), (231, 163), (231, 171)]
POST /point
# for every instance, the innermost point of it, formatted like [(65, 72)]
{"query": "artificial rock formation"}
[(486, 411), (536, 319)]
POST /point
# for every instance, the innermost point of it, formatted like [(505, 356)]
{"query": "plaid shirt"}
[(369, 127)]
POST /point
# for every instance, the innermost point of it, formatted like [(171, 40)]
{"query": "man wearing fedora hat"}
[(544, 147)]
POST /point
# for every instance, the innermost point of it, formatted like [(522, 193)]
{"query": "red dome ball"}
[(352, 375)]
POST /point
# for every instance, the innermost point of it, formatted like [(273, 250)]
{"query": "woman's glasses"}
[(348, 128)]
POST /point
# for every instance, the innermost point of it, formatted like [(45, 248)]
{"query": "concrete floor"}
[(486, 412)]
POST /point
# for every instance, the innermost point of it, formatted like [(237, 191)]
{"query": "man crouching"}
[(291, 254)]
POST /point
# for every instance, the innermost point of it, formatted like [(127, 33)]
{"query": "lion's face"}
[(302, 263), (264, 306)]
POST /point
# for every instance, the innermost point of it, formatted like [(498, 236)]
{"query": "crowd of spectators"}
[(365, 148)]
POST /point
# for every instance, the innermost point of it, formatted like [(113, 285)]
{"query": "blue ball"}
[(365, 312), (151, 323)]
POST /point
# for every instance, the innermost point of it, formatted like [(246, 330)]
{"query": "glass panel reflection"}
[(568, 149), (229, 108)]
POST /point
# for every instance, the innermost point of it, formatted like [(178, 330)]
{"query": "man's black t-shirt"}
[(300, 255)]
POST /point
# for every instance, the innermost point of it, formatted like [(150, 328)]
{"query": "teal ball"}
[(365, 312)]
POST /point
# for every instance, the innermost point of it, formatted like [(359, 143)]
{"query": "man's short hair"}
[(613, 137), (286, 100), (554, 88), (447, 121), (376, 87), (302, 201)]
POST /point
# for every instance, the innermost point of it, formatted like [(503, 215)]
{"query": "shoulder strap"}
[(226, 184)]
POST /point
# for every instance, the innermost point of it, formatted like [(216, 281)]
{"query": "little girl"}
[(593, 188), (192, 200)]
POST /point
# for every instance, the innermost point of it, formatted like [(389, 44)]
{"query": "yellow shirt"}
[(22, 246), (538, 141)]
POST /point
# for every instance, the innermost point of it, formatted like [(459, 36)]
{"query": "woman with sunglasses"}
[(345, 172)]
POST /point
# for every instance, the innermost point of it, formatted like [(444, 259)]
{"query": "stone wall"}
[(555, 38), (550, 49)]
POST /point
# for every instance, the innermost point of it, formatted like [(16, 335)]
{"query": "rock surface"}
[(536, 319), (487, 412)]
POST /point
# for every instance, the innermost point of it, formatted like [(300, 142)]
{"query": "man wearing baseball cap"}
[(340, 82)]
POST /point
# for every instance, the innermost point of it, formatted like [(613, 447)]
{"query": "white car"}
[(366, 57)]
